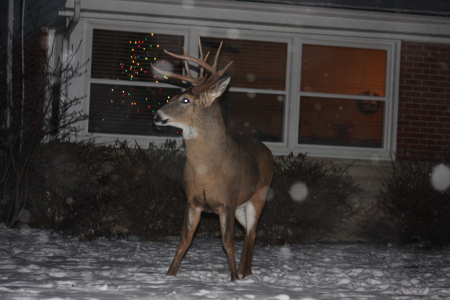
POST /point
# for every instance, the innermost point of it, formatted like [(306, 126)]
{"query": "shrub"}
[(321, 191), (93, 191), (414, 212), (70, 198), (148, 183)]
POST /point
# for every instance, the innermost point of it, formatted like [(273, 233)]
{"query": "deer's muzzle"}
[(159, 120)]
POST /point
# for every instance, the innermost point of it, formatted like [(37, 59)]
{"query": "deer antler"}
[(202, 82)]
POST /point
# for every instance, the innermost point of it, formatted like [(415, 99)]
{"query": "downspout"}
[(22, 53), (9, 85), (75, 19), (69, 29), (9, 63), (66, 42)]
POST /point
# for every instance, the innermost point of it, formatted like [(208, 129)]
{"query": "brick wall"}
[(424, 102)]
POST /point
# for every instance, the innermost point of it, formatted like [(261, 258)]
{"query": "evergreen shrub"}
[(91, 191), (412, 211), (310, 200)]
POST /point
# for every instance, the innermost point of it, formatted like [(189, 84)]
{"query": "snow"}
[(37, 264), (298, 191), (440, 177)]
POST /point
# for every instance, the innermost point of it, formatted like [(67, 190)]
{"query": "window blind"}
[(254, 114), (344, 122), (343, 70), (338, 120), (256, 64), (122, 55), (126, 108)]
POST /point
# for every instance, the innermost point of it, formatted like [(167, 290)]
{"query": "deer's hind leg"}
[(248, 215), (226, 217)]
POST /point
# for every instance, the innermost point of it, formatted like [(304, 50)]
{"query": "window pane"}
[(342, 70), (343, 122), (125, 109), (258, 115), (256, 64), (127, 56)]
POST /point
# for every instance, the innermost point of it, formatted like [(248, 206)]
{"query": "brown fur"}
[(221, 175)]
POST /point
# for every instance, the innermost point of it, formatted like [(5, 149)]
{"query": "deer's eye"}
[(185, 100)]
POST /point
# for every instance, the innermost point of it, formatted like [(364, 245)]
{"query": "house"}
[(344, 80)]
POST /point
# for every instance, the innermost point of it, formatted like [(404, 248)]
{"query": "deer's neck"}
[(211, 138)]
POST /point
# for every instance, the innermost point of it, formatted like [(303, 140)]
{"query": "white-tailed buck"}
[(230, 177)]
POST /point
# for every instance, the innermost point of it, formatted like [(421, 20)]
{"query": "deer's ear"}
[(216, 90)]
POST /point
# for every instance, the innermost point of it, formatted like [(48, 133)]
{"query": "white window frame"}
[(141, 140), (389, 130), (252, 36), (292, 91)]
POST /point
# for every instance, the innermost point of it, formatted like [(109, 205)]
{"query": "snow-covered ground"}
[(36, 264)]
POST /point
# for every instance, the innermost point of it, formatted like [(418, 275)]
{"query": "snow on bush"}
[(440, 177), (414, 205)]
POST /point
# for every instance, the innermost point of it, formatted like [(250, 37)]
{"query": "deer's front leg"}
[(191, 219), (226, 216)]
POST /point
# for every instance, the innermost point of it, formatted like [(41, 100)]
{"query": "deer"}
[(228, 176)]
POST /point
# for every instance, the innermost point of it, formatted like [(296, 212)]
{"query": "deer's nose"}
[(157, 119)]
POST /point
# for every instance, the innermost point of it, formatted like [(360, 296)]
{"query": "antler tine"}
[(186, 65), (221, 72), (217, 56), (201, 70)]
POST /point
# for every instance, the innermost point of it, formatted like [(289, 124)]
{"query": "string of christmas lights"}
[(135, 65), (124, 107)]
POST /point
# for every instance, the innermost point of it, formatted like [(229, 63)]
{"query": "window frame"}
[(390, 99), (142, 140), (252, 36), (292, 90)]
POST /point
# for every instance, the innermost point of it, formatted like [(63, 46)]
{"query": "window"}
[(124, 93), (322, 96), (342, 93), (254, 105)]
